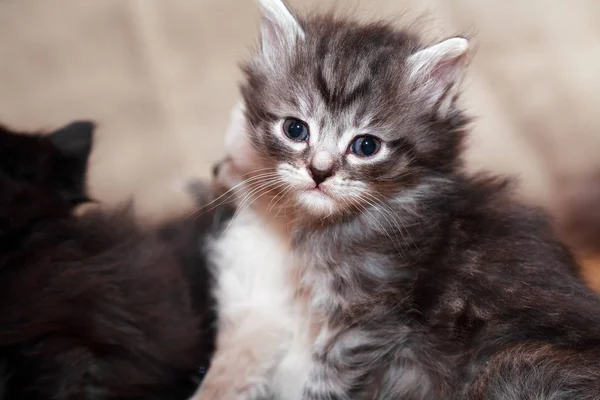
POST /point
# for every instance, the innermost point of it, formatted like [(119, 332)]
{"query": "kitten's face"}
[(328, 163), (56, 161), (334, 118)]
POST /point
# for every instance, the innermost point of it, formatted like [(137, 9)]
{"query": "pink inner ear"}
[(439, 67), (437, 72), (270, 33), (444, 72), (279, 27)]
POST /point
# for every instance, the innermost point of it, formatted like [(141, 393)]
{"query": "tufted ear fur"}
[(437, 71), (279, 29), (74, 143), (75, 139)]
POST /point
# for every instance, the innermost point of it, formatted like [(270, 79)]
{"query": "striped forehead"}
[(341, 82), (333, 131)]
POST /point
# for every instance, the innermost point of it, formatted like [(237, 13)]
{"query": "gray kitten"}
[(398, 276)]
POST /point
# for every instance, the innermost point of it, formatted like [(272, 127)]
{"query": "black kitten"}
[(93, 307)]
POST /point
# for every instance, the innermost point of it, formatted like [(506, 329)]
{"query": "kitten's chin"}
[(317, 203)]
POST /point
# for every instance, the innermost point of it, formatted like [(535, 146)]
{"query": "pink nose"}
[(321, 166)]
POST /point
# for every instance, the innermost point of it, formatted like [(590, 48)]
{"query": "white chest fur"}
[(254, 285), (252, 267)]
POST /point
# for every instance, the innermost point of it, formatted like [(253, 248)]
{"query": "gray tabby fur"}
[(420, 281)]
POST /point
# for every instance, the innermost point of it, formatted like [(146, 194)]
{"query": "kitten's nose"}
[(318, 175), (321, 167)]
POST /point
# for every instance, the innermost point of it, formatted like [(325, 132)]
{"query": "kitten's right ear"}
[(279, 29), (74, 140)]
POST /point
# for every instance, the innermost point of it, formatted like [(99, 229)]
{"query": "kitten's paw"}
[(247, 355), (226, 390), (225, 381)]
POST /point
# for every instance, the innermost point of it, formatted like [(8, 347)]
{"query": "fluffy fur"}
[(411, 279), (93, 307)]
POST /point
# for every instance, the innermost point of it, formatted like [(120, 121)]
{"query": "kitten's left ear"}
[(436, 72), (279, 29), (74, 143), (74, 140)]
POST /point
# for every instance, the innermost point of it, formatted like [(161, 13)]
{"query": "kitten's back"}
[(107, 309)]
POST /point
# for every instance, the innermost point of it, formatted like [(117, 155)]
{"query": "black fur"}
[(93, 307)]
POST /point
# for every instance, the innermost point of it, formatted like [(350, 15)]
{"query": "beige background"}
[(159, 76)]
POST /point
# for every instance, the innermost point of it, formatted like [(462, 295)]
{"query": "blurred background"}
[(159, 77)]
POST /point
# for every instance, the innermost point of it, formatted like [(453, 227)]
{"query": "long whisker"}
[(374, 219), (257, 170), (278, 197), (388, 211), (203, 210), (285, 192), (269, 185), (253, 191), (262, 189), (403, 229), (229, 193)]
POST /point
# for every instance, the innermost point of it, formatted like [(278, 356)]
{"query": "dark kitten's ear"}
[(279, 29), (436, 72), (74, 140)]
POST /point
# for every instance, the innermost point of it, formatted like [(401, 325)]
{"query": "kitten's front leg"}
[(253, 297), (342, 366), (248, 350)]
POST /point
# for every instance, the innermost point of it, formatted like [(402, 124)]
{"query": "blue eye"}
[(365, 146), (295, 129)]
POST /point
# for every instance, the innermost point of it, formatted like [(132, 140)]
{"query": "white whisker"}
[(394, 216), (229, 193), (384, 230), (261, 190), (277, 198)]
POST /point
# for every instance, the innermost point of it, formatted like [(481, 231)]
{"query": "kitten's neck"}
[(402, 221), (369, 252), (397, 226)]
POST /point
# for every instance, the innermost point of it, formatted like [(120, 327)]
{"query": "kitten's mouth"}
[(317, 201), (318, 189), (320, 192)]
